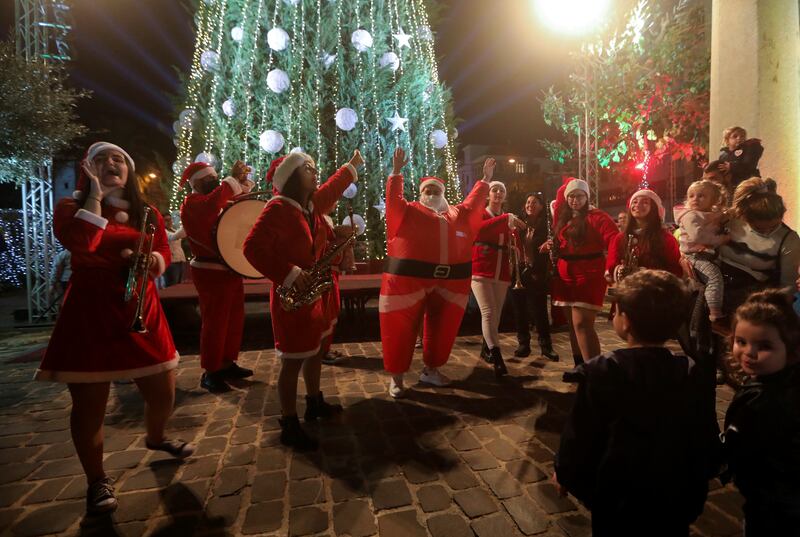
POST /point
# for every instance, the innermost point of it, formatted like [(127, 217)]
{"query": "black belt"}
[(422, 269), (492, 245), (579, 257)]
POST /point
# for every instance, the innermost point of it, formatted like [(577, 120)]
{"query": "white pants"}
[(491, 296)]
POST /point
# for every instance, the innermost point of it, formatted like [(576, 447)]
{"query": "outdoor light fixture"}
[(511, 161), (151, 175), (573, 17)]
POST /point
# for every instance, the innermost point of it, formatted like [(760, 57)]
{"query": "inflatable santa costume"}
[(92, 340), (286, 240), (427, 275), (220, 290)]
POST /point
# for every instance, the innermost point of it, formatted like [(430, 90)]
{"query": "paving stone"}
[(55, 437), (49, 519), (433, 498), (515, 433), (549, 499), (307, 520), (463, 440), (8, 516), (11, 473), (417, 472), (729, 502), (460, 478), (485, 432), (480, 459), (200, 467), (503, 485), (303, 468), (712, 521), (263, 518), (124, 459), (576, 525), (503, 450), (400, 524), (270, 459), (492, 526), (224, 510), (268, 486), (245, 435), (58, 451), (9, 494), (525, 471), (448, 525), (240, 455), (354, 518), (348, 487), (207, 446), (390, 494), (306, 492), (153, 477), (529, 518), (230, 481), (137, 505), (218, 428), (47, 490), (18, 454), (475, 502)]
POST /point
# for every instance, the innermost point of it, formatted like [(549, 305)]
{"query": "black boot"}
[(214, 382), (573, 376), (497, 362), (316, 407), (485, 352), (293, 435), (523, 349), (547, 350)]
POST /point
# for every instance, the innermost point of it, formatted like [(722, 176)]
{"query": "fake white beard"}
[(434, 202)]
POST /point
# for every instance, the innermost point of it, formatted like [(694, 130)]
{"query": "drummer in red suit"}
[(582, 233), (92, 343), (491, 271), (427, 272), (289, 237), (220, 290)]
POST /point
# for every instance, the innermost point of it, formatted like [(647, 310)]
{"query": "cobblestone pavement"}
[(470, 459)]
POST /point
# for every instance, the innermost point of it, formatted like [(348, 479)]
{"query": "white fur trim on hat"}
[(499, 184), (652, 196), (203, 172), (577, 184), (287, 168), (431, 181), (98, 147), (161, 265)]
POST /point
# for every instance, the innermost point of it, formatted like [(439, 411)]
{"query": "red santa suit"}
[(220, 290), (288, 239), (427, 273), (92, 340), (581, 282)]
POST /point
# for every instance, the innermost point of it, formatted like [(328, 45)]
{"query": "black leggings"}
[(530, 304)]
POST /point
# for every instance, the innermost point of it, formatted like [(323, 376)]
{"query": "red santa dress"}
[(219, 289), (581, 281), (427, 273), (286, 240), (490, 254), (92, 340), (668, 258)]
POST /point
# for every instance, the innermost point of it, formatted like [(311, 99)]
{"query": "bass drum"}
[(233, 226)]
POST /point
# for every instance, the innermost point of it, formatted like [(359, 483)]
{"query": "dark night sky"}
[(492, 54)]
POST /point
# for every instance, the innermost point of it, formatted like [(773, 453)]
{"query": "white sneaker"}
[(434, 377), (396, 388), (418, 344)]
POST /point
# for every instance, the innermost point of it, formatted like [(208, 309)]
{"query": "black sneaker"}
[(523, 350), (293, 435), (214, 382), (316, 407), (235, 371), (100, 497), (571, 376)]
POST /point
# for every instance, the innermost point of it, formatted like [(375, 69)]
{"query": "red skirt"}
[(92, 341), (580, 284), (299, 333)]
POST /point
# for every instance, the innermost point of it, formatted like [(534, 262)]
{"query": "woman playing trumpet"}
[(92, 342), (491, 272)]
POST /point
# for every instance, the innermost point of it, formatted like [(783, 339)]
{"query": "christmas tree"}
[(325, 77)]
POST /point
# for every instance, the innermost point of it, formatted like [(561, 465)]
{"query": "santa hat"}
[(94, 150), (283, 167), (576, 184), (195, 171), (498, 184), (652, 196), (425, 181)]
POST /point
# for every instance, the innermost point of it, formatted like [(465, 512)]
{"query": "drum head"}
[(233, 226)]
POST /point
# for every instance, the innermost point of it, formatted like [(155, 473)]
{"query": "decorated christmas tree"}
[(325, 77)]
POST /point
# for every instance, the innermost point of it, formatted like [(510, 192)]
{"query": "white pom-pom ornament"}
[(362, 40), (439, 138), (390, 60), (278, 80), (358, 221), (271, 141), (237, 33), (209, 60), (229, 108), (346, 119), (351, 191), (277, 39)]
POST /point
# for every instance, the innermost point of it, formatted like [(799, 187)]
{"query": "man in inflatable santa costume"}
[(427, 273), (220, 290), (288, 238)]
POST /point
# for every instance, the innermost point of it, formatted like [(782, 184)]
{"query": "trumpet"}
[(136, 284), (514, 262), (630, 263)]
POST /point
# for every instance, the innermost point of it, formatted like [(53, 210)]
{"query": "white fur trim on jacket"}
[(353, 171), (288, 281), (161, 265), (92, 218)]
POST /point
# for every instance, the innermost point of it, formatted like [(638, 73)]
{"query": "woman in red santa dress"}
[(581, 234), (491, 271), (653, 246), (288, 238), (92, 342)]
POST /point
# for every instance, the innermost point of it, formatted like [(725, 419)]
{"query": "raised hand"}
[(488, 169), (239, 171), (357, 159), (95, 189), (398, 161)]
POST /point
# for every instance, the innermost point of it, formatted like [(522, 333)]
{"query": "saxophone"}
[(292, 299), (630, 263)]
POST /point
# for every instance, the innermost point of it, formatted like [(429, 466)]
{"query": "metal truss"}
[(588, 164), (42, 27)]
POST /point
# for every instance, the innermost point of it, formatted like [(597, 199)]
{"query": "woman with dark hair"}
[(644, 237), (93, 342), (530, 302), (581, 234)]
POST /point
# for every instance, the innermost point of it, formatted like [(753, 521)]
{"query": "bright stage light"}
[(574, 17)]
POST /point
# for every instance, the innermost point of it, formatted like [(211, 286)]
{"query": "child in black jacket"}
[(640, 444), (762, 425), (739, 155)]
